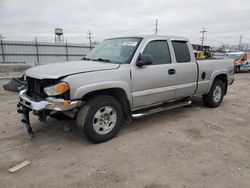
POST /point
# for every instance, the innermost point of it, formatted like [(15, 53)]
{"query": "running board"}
[(141, 113)]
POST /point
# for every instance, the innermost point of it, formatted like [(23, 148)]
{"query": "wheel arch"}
[(223, 77), (119, 94)]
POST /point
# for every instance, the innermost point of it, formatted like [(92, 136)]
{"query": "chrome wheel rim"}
[(217, 93), (104, 120)]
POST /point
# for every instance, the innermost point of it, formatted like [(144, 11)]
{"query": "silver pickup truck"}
[(121, 79)]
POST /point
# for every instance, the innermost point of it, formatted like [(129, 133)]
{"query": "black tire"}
[(86, 117), (209, 99)]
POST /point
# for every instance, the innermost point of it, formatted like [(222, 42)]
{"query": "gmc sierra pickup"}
[(121, 79)]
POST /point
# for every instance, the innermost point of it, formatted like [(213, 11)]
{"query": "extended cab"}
[(121, 79)]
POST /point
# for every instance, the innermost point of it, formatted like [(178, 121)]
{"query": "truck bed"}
[(209, 68)]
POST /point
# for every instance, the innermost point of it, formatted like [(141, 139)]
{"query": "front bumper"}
[(26, 104), (48, 104)]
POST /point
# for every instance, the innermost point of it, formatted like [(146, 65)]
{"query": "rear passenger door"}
[(154, 83), (186, 69)]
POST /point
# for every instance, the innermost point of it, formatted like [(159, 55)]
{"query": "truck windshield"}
[(117, 50)]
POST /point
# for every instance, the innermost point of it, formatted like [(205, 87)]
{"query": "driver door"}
[(155, 83)]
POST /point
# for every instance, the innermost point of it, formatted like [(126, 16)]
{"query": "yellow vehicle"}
[(202, 52), (199, 54)]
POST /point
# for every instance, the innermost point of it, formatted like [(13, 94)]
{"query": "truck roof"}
[(169, 37)]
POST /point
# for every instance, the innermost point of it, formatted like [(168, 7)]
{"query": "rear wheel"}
[(100, 118), (215, 95)]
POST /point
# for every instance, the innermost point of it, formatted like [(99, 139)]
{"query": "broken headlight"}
[(57, 89)]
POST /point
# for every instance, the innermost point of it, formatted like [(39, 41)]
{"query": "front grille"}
[(36, 86)]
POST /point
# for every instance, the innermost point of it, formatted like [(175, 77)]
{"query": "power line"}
[(202, 36), (90, 39), (156, 26)]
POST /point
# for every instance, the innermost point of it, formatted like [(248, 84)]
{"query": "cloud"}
[(224, 20)]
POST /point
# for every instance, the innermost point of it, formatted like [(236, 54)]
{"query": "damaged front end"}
[(36, 98)]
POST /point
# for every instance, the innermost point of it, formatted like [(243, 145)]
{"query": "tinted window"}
[(159, 51), (181, 51)]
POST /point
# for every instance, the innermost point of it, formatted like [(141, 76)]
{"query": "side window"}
[(181, 50), (159, 51)]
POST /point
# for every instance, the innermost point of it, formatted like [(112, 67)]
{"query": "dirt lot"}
[(186, 147)]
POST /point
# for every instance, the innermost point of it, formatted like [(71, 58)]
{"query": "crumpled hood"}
[(57, 70)]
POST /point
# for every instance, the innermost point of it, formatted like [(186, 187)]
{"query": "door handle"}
[(171, 71)]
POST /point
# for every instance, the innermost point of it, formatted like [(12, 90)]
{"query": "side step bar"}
[(138, 114)]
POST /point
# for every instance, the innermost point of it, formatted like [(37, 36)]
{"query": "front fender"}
[(85, 89)]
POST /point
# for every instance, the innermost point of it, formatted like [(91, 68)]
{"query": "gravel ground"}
[(186, 147)]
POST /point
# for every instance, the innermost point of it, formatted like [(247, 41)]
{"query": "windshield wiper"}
[(101, 59)]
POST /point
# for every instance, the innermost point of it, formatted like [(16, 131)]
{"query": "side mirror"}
[(144, 59)]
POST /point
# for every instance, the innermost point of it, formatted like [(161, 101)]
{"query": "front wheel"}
[(215, 95), (100, 118)]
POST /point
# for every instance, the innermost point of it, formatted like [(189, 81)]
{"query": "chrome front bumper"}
[(26, 104), (49, 104)]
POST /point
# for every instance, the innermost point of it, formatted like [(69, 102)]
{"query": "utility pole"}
[(246, 48), (37, 52), (90, 39), (66, 49), (1, 37), (203, 35), (156, 26), (240, 42)]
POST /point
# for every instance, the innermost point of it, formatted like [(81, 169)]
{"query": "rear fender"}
[(223, 75)]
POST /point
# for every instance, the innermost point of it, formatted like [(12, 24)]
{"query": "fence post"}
[(67, 53), (2, 49), (37, 52)]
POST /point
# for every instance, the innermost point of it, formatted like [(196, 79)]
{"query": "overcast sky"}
[(224, 20)]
